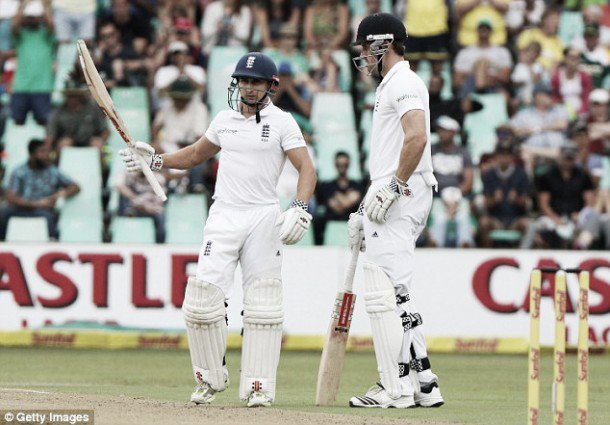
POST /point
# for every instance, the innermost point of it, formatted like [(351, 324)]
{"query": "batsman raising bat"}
[(392, 215), (245, 225)]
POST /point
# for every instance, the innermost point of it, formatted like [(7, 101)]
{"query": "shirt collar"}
[(267, 110), (397, 67)]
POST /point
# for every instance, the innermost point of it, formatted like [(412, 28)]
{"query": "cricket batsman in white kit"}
[(245, 224), (392, 215)]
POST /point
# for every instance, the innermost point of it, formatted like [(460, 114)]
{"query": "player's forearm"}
[(410, 155), (307, 182), (191, 155)]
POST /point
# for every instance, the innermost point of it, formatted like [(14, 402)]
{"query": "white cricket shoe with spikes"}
[(258, 399), (203, 394), (377, 396)]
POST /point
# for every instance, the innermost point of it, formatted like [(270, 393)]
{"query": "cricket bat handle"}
[(351, 269), (150, 177)]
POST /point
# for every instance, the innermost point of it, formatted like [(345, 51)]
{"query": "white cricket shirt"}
[(399, 92), (252, 155)]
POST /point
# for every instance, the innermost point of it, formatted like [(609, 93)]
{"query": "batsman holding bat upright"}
[(392, 215), (245, 224)]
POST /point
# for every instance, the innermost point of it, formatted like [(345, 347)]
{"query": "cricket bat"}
[(102, 98), (333, 353)]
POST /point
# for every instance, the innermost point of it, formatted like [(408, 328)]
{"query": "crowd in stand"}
[(539, 179)]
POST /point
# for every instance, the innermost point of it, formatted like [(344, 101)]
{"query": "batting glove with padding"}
[(294, 222), (355, 229), (131, 157), (377, 206)]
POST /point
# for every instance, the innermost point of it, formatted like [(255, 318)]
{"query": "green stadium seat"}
[(185, 217), (481, 125), (332, 112), (66, 58), (336, 233), (16, 139), (220, 67), (328, 144), (358, 7), (78, 224), (366, 129), (424, 71), (132, 104), (27, 229), (570, 25), (139, 230)]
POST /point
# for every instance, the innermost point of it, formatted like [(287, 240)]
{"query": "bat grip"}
[(150, 177), (351, 269)]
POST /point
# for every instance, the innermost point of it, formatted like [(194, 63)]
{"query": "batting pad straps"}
[(262, 338), (206, 329), (386, 326)]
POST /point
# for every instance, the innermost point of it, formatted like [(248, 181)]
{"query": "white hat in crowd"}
[(599, 96), (33, 8), (447, 123)]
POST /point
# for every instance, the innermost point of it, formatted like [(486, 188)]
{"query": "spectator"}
[(506, 189), (133, 26), (546, 35), (566, 198), (32, 29), (523, 14), (226, 23), (119, 65), (428, 25), (74, 20), (78, 121), (179, 67), (326, 25), (182, 30), (181, 121), (470, 12), (139, 200), (571, 85), (288, 51), (452, 164), (454, 108), (589, 161), (8, 9), (290, 96), (598, 121), (527, 73), (595, 57), (541, 127), (34, 188), (176, 20), (324, 72), (451, 226), (339, 197), (482, 67), (271, 16)]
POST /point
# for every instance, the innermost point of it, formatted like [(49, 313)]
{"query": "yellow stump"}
[(583, 349), (533, 377), (559, 353)]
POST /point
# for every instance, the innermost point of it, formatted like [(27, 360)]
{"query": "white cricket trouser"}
[(248, 236), (391, 245)]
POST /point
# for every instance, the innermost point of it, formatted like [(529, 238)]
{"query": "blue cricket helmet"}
[(256, 65)]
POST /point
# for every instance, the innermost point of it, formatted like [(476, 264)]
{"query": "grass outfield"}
[(478, 389)]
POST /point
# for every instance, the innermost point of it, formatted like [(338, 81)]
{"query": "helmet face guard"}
[(379, 45), (234, 97)]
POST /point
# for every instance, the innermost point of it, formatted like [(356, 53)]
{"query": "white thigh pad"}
[(262, 339), (386, 325), (206, 328)]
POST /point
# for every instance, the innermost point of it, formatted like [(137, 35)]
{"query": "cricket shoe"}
[(258, 399), (429, 395), (377, 396), (203, 394)]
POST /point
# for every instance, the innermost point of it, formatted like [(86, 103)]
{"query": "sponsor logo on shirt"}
[(226, 130), (406, 96)]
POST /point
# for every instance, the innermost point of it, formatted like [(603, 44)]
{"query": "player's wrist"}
[(399, 186), (298, 203)]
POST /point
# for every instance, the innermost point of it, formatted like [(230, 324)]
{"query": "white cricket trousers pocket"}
[(391, 245), (248, 236)]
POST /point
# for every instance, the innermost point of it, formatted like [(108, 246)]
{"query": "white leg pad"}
[(262, 339), (206, 329), (386, 326)]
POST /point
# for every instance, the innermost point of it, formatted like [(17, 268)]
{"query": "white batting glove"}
[(144, 150), (377, 206), (355, 230), (294, 222)]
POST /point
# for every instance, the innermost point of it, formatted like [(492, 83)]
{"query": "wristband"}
[(402, 188), (297, 203), (156, 163)]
